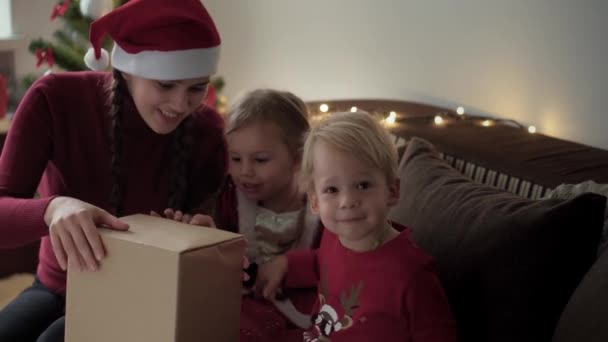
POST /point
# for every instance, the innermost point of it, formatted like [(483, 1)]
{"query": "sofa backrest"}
[(509, 265), (521, 162)]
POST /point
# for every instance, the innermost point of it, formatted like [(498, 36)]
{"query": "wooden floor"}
[(12, 286)]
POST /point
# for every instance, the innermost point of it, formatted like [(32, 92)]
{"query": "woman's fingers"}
[(93, 239), (59, 251), (83, 248), (70, 249), (73, 231), (102, 218), (202, 220)]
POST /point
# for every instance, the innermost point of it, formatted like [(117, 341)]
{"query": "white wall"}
[(31, 21), (6, 22), (540, 62)]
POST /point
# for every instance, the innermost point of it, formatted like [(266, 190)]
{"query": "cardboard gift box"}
[(160, 281)]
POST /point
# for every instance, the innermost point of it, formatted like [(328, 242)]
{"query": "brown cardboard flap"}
[(209, 295), (168, 234)]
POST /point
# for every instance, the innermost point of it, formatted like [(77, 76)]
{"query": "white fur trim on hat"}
[(97, 64), (167, 65)]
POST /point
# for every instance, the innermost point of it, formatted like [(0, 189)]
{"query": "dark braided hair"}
[(182, 142), (118, 94), (180, 164)]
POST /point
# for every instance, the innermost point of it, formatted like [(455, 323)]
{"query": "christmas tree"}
[(70, 42)]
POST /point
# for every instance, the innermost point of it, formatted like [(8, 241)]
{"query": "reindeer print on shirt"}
[(328, 320)]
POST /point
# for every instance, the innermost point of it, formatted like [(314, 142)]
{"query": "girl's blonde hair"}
[(283, 108), (358, 134)]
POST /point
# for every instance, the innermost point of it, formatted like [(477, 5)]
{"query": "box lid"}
[(168, 234)]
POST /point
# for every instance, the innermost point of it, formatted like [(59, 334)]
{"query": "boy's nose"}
[(349, 200)]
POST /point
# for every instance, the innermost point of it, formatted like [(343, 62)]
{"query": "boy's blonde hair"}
[(358, 134), (283, 108)]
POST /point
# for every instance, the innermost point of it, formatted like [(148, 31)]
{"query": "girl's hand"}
[(198, 220), (177, 215), (73, 231), (270, 276), (246, 265)]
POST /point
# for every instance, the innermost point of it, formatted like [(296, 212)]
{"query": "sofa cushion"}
[(508, 264), (585, 318)]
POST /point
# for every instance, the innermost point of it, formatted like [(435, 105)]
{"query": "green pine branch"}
[(218, 83), (80, 27), (66, 58), (66, 38), (73, 14), (118, 3), (74, 21), (27, 81)]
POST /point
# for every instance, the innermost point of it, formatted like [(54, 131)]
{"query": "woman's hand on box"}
[(73, 231), (270, 276), (178, 215)]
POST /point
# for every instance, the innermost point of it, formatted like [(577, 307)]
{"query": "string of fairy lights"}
[(439, 119)]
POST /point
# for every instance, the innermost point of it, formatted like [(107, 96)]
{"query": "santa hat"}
[(157, 39)]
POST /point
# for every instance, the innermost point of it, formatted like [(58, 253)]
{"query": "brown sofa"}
[(509, 264), (515, 268)]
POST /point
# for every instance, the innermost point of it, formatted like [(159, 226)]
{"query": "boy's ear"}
[(314, 202), (393, 192)]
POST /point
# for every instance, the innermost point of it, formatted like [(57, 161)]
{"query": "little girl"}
[(265, 131)]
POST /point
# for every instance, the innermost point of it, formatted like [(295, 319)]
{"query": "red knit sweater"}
[(59, 142)]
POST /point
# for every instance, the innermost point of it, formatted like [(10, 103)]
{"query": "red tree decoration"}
[(59, 10), (44, 56), (210, 99)]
